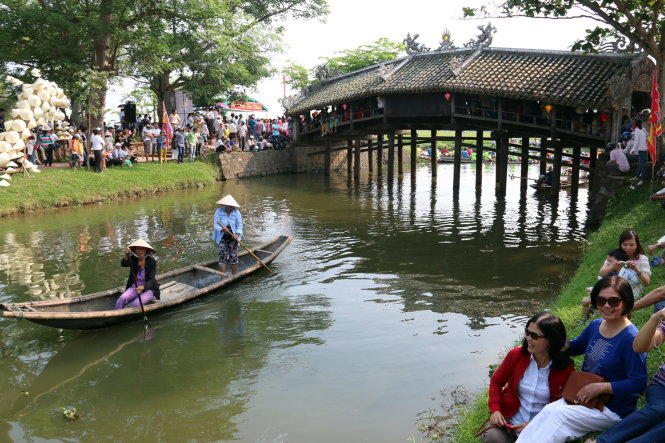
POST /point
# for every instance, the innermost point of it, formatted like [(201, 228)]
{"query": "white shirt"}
[(97, 142), (533, 391), (640, 138), (155, 132), (147, 132), (232, 128)]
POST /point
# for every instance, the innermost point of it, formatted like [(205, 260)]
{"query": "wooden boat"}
[(177, 287), (452, 160), (562, 185)]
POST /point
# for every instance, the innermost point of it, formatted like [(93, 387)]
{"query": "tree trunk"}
[(101, 64)]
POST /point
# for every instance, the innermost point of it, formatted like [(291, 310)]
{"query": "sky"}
[(352, 23)]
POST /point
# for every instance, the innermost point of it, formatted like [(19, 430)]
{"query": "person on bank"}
[(647, 424), (227, 230), (530, 377), (637, 261), (142, 272), (607, 345)]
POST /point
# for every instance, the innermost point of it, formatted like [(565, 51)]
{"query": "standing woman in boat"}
[(226, 231), (143, 270)]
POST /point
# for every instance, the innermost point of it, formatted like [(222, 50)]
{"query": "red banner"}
[(655, 128), (246, 106)]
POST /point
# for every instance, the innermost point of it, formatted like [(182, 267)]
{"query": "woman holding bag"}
[(528, 378), (607, 345)]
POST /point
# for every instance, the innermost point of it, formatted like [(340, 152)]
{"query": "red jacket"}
[(505, 381)]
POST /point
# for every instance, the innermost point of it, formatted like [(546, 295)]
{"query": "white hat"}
[(228, 201), (140, 243)]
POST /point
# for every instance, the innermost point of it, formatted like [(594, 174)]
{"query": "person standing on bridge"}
[(226, 231)]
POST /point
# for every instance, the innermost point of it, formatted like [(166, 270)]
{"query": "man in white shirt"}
[(97, 144), (640, 148), (155, 148), (147, 141)]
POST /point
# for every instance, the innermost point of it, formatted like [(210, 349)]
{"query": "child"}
[(614, 256), (161, 147)]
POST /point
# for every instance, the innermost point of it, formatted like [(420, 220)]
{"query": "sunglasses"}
[(533, 335), (612, 301)]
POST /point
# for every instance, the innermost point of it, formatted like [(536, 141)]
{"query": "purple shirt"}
[(620, 158), (659, 376)]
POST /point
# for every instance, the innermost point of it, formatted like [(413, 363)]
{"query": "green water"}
[(393, 298)]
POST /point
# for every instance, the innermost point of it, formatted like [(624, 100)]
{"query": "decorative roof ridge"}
[(442, 51), (359, 71), (457, 70), (561, 53), (385, 71)]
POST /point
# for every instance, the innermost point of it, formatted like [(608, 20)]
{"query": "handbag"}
[(577, 381)]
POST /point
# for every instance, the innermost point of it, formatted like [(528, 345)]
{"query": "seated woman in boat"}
[(607, 345), (530, 377), (547, 178), (142, 272), (226, 231)]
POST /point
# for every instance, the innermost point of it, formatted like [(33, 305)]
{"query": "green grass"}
[(59, 187), (628, 210)]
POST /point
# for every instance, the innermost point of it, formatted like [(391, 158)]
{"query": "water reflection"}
[(383, 278)]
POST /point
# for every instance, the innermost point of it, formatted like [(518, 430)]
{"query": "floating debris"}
[(554, 258), (70, 413)]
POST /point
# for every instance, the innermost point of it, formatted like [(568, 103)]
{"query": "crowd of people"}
[(536, 395)]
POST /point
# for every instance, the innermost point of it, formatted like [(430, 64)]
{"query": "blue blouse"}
[(234, 220), (614, 359)]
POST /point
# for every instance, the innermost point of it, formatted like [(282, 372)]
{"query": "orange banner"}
[(246, 106)]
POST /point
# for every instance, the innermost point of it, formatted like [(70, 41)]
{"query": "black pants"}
[(49, 157), (98, 161)]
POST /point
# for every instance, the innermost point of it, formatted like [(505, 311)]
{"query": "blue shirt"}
[(252, 125), (614, 359), (234, 220), (179, 139)]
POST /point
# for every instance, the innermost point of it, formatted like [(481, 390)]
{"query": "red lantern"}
[(447, 96), (548, 108), (603, 118)]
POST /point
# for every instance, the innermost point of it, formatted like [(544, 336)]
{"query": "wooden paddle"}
[(523, 178), (246, 248)]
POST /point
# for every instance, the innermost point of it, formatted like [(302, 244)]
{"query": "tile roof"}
[(558, 77)]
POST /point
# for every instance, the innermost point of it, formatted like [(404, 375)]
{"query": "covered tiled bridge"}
[(565, 100)]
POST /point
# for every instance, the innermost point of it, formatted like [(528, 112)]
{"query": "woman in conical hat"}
[(143, 270), (227, 230)]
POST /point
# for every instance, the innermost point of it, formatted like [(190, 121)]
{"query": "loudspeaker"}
[(130, 112)]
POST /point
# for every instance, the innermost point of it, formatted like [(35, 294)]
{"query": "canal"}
[(393, 299)]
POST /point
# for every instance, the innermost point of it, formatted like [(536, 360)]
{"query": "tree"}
[(144, 98), (379, 51), (642, 22), (297, 76)]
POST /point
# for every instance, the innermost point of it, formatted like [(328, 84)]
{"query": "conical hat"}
[(228, 201), (140, 243)]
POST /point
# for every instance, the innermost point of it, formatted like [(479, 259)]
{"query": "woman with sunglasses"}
[(528, 378), (647, 424), (607, 345)]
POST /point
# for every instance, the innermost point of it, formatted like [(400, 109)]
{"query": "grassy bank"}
[(58, 187), (629, 210)]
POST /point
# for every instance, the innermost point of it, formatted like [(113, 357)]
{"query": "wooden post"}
[(458, 159), (593, 153), (370, 159), (501, 163), (414, 136), (326, 159), (556, 169), (349, 157), (391, 154), (435, 154), (379, 154), (575, 177), (543, 156), (524, 170), (400, 152), (479, 159), (352, 110), (356, 160)]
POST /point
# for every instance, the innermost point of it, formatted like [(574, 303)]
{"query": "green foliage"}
[(628, 210), (350, 60), (145, 99), (297, 76)]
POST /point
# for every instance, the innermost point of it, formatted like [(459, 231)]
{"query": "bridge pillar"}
[(349, 157), (501, 162), (575, 177), (379, 155), (458, 159), (556, 169), (543, 156), (524, 167), (391, 154), (593, 154), (400, 154), (356, 159), (370, 159), (435, 154), (414, 139), (479, 159)]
